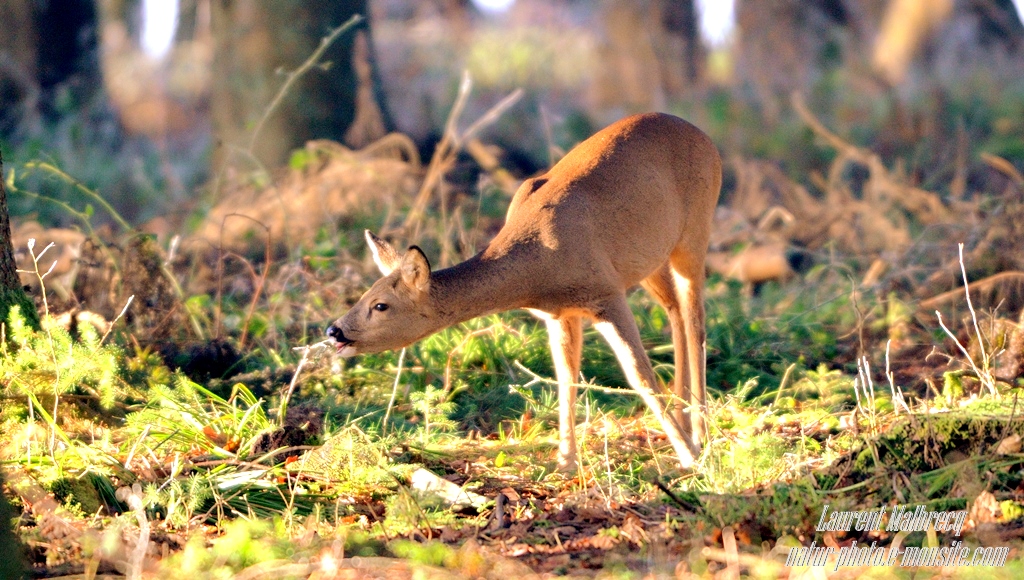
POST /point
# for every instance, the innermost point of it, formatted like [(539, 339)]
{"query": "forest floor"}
[(177, 413)]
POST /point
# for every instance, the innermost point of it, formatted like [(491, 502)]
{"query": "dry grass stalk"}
[(1005, 289), (882, 188), (1004, 167), (368, 124), (985, 373), (448, 148)]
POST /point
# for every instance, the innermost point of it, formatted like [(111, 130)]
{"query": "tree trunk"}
[(45, 46), (254, 41), (682, 24), (651, 53), (19, 86), (11, 292), (788, 45)]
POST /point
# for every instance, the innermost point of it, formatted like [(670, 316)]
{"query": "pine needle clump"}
[(49, 363)]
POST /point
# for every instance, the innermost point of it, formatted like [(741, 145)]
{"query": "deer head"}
[(395, 311)]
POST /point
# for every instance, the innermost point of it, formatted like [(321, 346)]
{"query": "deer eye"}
[(380, 307)]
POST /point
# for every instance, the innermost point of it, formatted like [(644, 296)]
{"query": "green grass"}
[(89, 417), (775, 433)]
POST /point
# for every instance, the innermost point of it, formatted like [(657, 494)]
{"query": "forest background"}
[(205, 170)]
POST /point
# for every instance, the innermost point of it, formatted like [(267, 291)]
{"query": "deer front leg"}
[(616, 324), (566, 338)]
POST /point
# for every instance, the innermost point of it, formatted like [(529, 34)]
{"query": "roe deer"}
[(631, 204)]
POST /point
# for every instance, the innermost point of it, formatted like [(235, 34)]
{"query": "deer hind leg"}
[(662, 286), (566, 338), (615, 323), (688, 275)]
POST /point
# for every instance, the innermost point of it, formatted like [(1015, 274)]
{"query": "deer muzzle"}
[(341, 342)]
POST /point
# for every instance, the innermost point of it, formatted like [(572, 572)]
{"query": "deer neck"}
[(484, 284)]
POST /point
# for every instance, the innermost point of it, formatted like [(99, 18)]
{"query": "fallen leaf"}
[(985, 509), (1010, 445), (510, 494)]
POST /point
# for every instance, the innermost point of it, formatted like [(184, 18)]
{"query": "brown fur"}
[(631, 205)]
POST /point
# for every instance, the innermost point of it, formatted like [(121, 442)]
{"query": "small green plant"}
[(244, 543), (429, 553), (50, 363), (44, 373), (356, 464), (189, 417), (434, 406), (408, 510), (181, 498), (189, 428)]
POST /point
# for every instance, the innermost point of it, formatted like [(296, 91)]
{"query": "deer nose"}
[(336, 333)]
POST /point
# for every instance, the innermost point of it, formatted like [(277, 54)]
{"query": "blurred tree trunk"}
[(651, 53), (913, 27), (48, 52), (788, 45), (681, 22), (255, 40), (11, 292), (19, 45), (458, 16)]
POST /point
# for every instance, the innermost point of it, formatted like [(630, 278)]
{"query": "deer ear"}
[(416, 269), (384, 255)]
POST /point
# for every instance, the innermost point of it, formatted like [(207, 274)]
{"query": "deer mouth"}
[(344, 346), (342, 343)]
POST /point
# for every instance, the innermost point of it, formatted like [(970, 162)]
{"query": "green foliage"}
[(826, 390), (244, 543), (1012, 510), (189, 417), (952, 386), (145, 369), (356, 463), (409, 510), (49, 363), (180, 499), (16, 299), (783, 508), (427, 553), (435, 408), (762, 336), (473, 363), (741, 463), (188, 420), (79, 493), (943, 454), (83, 140)]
